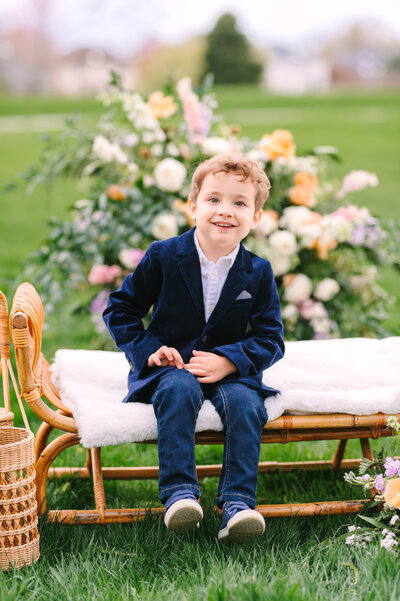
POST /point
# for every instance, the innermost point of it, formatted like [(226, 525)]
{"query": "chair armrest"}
[(29, 390)]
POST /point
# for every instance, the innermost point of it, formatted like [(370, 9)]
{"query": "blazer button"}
[(204, 339)]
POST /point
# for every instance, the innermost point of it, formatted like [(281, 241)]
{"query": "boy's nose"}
[(224, 209)]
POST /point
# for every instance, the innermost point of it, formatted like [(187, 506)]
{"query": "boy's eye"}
[(240, 203), (213, 199)]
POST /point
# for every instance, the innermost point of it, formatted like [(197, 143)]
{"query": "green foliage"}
[(229, 54)]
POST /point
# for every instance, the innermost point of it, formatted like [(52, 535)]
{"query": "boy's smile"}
[(224, 213)]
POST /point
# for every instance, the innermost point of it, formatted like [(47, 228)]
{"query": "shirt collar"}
[(226, 259)]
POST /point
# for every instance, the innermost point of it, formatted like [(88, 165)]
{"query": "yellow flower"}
[(161, 106), (278, 144), (392, 492)]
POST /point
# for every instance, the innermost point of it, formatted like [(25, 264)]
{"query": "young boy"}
[(215, 327)]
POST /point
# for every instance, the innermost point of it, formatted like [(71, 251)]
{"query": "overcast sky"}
[(125, 25)]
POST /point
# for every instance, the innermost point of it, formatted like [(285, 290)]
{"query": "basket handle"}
[(5, 363)]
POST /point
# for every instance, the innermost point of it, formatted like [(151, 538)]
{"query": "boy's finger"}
[(167, 353), (177, 357), (200, 353), (156, 359)]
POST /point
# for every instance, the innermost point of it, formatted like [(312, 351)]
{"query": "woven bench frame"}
[(26, 321)]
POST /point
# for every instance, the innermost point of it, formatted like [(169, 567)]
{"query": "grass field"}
[(297, 559)]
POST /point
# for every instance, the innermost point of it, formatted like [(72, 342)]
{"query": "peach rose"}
[(278, 144), (116, 192), (301, 178), (302, 196), (303, 192), (392, 492), (161, 106)]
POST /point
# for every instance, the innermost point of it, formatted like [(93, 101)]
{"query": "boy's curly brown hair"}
[(239, 164)]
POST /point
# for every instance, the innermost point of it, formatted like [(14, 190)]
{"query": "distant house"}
[(87, 71), (293, 73)]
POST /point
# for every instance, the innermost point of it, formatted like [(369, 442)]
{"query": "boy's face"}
[(224, 213)]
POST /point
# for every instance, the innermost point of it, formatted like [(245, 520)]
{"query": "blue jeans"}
[(177, 399)]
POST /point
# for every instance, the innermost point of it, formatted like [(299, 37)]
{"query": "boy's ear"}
[(256, 219), (192, 208)]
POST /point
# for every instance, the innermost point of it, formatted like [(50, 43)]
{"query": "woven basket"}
[(19, 536), (6, 418)]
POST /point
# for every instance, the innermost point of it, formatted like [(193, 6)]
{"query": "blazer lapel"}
[(236, 282), (189, 265)]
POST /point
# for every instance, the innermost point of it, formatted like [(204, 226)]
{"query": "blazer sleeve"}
[(127, 307), (263, 344)]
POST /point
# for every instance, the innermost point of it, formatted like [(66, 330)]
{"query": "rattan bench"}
[(38, 390)]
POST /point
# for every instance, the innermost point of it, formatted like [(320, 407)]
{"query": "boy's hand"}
[(209, 367), (165, 355)]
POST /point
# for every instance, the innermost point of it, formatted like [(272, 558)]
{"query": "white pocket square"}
[(243, 295)]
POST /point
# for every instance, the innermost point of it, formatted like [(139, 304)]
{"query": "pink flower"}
[(131, 257), (104, 274), (357, 180)]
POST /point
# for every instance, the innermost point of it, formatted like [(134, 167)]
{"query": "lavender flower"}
[(379, 482), (392, 467)]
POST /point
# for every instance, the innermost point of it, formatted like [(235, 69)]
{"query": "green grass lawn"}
[(297, 559)]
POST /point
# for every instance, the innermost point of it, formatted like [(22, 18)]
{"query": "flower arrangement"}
[(382, 477), (135, 171)]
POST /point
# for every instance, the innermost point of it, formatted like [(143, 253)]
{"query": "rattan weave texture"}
[(19, 536)]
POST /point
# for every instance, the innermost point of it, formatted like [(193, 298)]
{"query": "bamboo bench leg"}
[(338, 457), (98, 484), (366, 448)]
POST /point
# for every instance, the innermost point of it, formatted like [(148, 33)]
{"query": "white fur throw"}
[(359, 376)]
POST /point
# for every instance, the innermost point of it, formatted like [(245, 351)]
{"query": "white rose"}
[(294, 218), (280, 264), (258, 156), (283, 242), (157, 150), (308, 164), (266, 225), (215, 145), (299, 289), (164, 226), (170, 175), (339, 228), (309, 233), (290, 313), (172, 150), (326, 289)]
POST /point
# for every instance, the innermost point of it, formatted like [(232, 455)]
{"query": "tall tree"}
[(229, 54)]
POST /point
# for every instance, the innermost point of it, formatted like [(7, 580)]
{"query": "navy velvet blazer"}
[(247, 331)]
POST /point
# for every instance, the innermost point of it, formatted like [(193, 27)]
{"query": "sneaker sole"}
[(183, 516), (244, 527)]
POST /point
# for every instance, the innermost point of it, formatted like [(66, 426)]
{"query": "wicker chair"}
[(26, 321)]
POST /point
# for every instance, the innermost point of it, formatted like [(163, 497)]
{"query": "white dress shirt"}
[(213, 276)]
